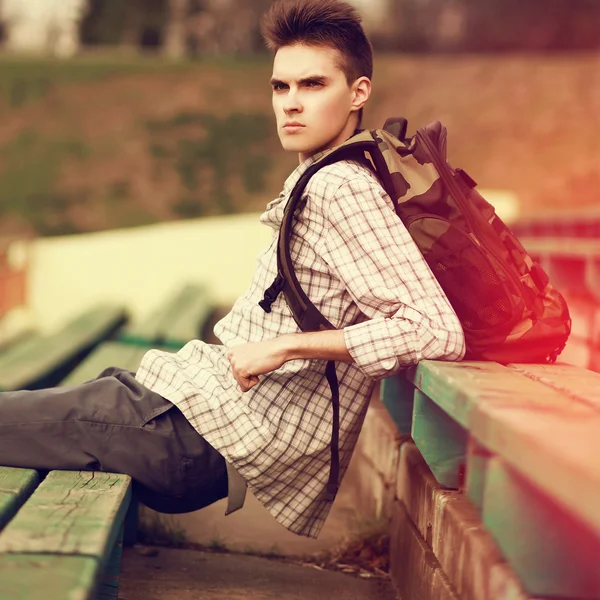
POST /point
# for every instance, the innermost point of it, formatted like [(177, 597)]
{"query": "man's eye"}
[(314, 84), (279, 86)]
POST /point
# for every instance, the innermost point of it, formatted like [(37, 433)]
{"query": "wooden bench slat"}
[(16, 485), (577, 383), (458, 387), (108, 354), (49, 353), (44, 577), (558, 452), (20, 349), (187, 324), (15, 339), (552, 554), (70, 512), (148, 331), (187, 304)]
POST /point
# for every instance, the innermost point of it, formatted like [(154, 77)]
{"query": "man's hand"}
[(248, 361)]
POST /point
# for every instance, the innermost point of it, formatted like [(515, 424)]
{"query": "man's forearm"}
[(326, 345), (250, 360)]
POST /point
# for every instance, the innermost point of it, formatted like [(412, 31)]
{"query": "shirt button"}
[(389, 364)]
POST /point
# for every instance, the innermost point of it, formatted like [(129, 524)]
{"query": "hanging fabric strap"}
[(334, 469), (305, 313)]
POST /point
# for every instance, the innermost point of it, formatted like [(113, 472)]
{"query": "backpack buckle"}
[(271, 293)]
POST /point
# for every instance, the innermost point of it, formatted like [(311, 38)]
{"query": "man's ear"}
[(361, 89)]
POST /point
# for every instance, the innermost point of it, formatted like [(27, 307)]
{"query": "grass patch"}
[(160, 530), (213, 156), (25, 80), (217, 543), (31, 167)]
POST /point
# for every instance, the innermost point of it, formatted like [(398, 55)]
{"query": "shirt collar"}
[(295, 175), (292, 180)]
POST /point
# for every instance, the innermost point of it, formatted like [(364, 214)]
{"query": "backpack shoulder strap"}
[(378, 145), (305, 313)]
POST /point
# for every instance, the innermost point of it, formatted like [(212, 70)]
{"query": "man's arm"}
[(369, 250), (248, 361)]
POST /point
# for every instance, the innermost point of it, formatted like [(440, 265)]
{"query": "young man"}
[(198, 425)]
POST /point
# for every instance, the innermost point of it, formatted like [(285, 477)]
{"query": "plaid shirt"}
[(360, 267)]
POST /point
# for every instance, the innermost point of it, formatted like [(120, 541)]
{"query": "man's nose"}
[(292, 102)]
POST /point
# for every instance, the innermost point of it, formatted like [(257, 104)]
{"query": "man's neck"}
[(349, 131)]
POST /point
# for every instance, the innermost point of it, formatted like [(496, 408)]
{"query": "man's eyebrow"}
[(313, 79), (303, 81)]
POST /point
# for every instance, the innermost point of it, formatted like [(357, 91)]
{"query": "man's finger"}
[(247, 383)]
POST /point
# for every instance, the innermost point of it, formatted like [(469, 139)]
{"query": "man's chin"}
[(298, 147)]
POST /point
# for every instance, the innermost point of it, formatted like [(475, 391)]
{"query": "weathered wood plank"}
[(16, 485), (441, 441), (181, 314), (16, 480), (558, 452), (70, 512), (108, 354), (576, 383), (186, 324), (477, 461), (44, 577), (458, 387), (16, 339), (397, 395), (51, 352), (109, 584), (20, 349), (552, 553)]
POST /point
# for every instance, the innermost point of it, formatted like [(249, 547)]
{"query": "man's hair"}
[(326, 23)]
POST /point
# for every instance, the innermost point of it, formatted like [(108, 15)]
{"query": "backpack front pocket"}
[(480, 293)]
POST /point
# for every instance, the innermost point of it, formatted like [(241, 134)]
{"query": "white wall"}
[(141, 266)]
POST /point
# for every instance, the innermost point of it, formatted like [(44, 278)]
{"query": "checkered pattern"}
[(358, 264)]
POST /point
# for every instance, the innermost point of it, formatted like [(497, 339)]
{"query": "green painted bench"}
[(523, 442), (107, 354), (40, 361), (61, 537), (175, 323)]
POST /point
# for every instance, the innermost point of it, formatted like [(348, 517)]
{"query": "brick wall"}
[(439, 549)]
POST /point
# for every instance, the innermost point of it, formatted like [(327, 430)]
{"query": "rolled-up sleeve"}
[(370, 250)]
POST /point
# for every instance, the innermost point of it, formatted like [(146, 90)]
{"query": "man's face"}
[(312, 100)]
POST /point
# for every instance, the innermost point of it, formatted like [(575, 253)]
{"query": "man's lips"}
[(292, 126)]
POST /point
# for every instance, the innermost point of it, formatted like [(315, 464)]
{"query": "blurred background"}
[(119, 114), (137, 146)]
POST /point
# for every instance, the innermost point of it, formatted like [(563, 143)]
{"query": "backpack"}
[(505, 303)]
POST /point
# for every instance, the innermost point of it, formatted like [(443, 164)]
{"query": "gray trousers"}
[(114, 424)]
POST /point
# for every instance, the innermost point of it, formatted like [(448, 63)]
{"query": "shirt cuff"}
[(374, 346)]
